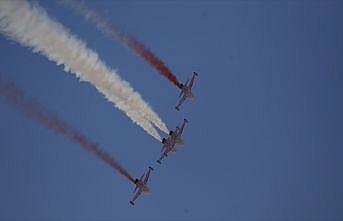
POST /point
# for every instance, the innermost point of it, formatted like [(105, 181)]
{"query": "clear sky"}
[(264, 140)]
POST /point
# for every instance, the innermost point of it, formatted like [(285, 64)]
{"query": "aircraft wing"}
[(181, 93), (147, 176), (181, 101), (164, 153), (141, 179), (183, 126), (191, 82), (135, 189), (163, 147), (186, 83), (137, 194)]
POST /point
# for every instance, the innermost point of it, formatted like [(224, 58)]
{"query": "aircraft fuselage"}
[(143, 186), (187, 93)]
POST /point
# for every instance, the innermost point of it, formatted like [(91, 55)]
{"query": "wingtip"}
[(196, 74), (151, 168), (132, 203), (185, 120)]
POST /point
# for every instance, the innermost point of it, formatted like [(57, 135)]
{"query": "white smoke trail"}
[(112, 31), (30, 26)]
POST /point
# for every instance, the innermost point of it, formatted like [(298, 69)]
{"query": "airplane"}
[(173, 139), (178, 132), (141, 185), (186, 91), (168, 146)]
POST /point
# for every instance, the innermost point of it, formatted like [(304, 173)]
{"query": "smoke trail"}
[(33, 110), (30, 26), (114, 31)]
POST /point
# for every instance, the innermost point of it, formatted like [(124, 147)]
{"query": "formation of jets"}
[(169, 143)]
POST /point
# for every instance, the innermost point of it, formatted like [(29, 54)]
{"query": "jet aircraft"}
[(141, 185), (186, 91), (173, 139)]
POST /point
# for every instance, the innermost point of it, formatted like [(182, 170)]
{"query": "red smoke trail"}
[(114, 31), (146, 55), (33, 110)]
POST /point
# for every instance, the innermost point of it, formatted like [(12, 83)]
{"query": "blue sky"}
[(264, 140)]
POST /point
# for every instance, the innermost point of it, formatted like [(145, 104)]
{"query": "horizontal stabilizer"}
[(178, 141)]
